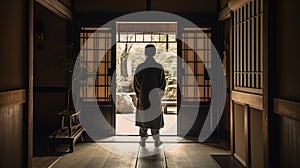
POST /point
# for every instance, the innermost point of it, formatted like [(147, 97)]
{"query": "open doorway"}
[(132, 37)]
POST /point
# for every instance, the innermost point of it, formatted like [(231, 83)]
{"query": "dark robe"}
[(149, 85)]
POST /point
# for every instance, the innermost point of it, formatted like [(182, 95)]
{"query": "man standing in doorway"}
[(149, 86)]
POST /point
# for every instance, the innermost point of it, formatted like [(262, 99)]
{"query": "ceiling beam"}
[(224, 14), (57, 7)]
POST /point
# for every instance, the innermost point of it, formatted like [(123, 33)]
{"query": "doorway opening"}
[(131, 38)]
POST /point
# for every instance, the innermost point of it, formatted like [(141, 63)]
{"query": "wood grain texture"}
[(12, 97), (287, 108), (57, 7), (289, 142), (239, 133), (175, 156), (11, 120), (11, 126), (235, 4), (256, 138), (255, 101), (224, 14), (156, 157), (247, 135), (28, 117)]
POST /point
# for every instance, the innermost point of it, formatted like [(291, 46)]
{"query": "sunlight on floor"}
[(125, 125)]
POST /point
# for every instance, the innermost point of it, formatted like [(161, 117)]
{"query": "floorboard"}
[(151, 156), (124, 151)]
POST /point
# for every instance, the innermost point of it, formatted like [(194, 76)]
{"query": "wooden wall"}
[(286, 26), (248, 126), (289, 134), (272, 133), (280, 97), (13, 45), (11, 126), (286, 32), (13, 75), (49, 81)]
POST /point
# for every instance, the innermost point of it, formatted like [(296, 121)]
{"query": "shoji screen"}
[(248, 47), (95, 44), (247, 94)]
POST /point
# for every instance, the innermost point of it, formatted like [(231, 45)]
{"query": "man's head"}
[(150, 50)]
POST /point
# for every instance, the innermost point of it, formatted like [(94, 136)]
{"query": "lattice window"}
[(95, 43), (196, 40), (248, 47)]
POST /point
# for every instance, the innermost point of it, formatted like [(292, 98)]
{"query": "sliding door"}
[(97, 56), (195, 50)]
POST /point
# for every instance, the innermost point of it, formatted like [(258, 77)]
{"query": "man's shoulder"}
[(158, 65), (146, 65)]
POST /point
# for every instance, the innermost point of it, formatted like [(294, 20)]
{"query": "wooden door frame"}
[(62, 11), (266, 99), (28, 118)]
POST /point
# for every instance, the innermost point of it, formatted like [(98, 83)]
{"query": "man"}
[(149, 85)]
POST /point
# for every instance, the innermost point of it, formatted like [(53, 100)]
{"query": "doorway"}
[(194, 49), (132, 37)]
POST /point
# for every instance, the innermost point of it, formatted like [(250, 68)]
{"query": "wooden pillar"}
[(231, 85), (267, 98), (29, 115)]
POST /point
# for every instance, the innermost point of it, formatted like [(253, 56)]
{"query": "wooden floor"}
[(126, 152)]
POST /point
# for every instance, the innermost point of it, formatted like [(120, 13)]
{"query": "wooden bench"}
[(70, 130), (62, 137), (165, 104)]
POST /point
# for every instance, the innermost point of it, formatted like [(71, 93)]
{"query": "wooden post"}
[(267, 98), (231, 87), (29, 115)]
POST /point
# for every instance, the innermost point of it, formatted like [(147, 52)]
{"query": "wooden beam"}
[(57, 7), (232, 142), (253, 100), (12, 97), (249, 90), (267, 92), (235, 4), (224, 14), (28, 117), (287, 108)]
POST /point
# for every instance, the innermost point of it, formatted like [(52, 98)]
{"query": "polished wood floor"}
[(124, 151)]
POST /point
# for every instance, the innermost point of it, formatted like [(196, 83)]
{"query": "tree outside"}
[(129, 55)]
